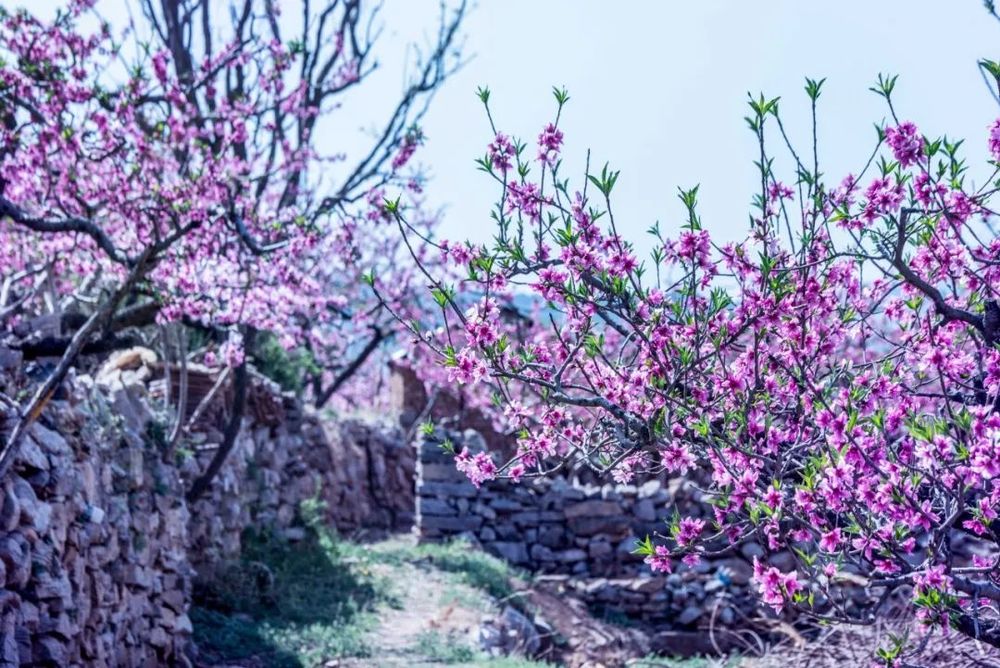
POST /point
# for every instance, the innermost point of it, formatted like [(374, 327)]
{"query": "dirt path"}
[(434, 620)]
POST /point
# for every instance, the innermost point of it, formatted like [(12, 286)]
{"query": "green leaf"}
[(643, 547), (814, 87)]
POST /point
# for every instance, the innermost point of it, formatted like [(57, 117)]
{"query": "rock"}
[(174, 599), (784, 561), (49, 650), (541, 553), (94, 514), (17, 561), (649, 488), (448, 489), (552, 536), (511, 633), (485, 511), (9, 653), (515, 553), (648, 585), (645, 511), (599, 549), (10, 360), (727, 616), (474, 441), (158, 638), (734, 571), (27, 499), (31, 456), (183, 625), (431, 506), (504, 505), (751, 550), (572, 556), (137, 576), (51, 441), (294, 534), (593, 508), (452, 524), (49, 587), (41, 518), (714, 585), (689, 615), (689, 643), (507, 531), (10, 511), (616, 527), (441, 472)]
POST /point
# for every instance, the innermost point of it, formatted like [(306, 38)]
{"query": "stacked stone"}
[(544, 524), (92, 540), (361, 476), (372, 470), (581, 538), (98, 549)]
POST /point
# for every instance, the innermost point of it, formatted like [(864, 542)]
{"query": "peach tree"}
[(167, 181), (833, 379)]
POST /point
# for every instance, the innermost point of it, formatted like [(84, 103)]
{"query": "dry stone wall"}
[(99, 550), (360, 475), (581, 538), (93, 556), (546, 524)]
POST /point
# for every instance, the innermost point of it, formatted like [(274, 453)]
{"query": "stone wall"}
[(98, 548), (361, 474), (545, 524), (93, 555), (581, 538)]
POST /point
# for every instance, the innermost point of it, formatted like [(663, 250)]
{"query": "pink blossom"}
[(659, 561), (776, 588), (688, 530), (501, 153), (906, 143), (478, 468), (468, 368), (994, 141), (830, 541), (549, 142)]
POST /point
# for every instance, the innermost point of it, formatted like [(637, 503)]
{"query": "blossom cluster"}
[(199, 160), (832, 380)]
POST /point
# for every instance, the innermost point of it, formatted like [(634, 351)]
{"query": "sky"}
[(659, 90)]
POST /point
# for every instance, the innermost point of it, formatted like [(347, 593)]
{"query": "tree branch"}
[(240, 382), (351, 368)]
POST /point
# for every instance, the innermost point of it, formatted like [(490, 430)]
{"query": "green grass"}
[(297, 605), (469, 566), (444, 648), (289, 605)]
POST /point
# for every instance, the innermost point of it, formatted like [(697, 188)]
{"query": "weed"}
[(443, 648), (471, 567), (292, 605)]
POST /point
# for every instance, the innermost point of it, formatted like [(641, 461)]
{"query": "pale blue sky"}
[(659, 90)]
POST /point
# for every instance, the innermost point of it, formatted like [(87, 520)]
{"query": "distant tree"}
[(173, 175)]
